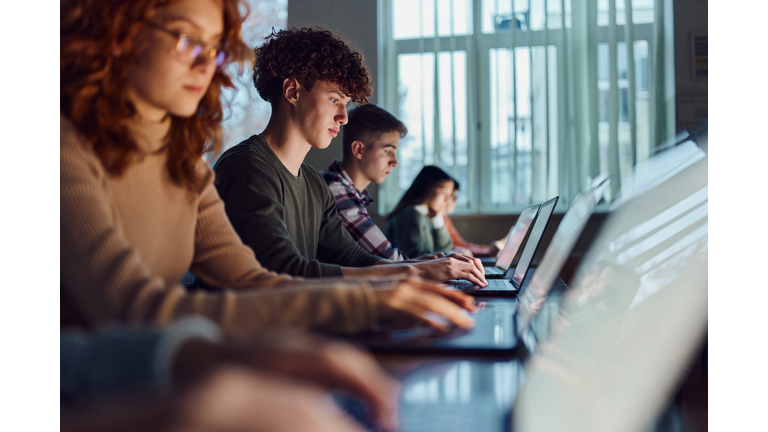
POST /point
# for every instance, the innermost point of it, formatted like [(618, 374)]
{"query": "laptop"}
[(514, 241), (513, 280)]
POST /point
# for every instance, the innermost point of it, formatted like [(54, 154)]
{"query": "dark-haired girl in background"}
[(416, 225)]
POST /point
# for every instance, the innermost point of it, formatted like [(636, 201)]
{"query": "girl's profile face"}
[(438, 200), (160, 81)]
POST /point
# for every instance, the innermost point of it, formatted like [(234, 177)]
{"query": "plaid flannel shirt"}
[(351, 205)]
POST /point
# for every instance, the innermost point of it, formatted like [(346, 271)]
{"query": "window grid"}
[(521, 144)]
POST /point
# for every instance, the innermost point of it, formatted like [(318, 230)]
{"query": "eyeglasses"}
[(190, 50)]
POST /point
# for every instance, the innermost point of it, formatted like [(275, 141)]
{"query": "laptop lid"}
[(542, 220), (569, 230), (516, 236)]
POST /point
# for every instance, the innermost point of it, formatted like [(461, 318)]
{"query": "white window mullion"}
[(437, 134), (613, 103), (389, 193), (481, 125), (629, 40), (516, 120), (454, 169), (531, 107), (422, 86), (593, 99), (565, 139), (546, 96)]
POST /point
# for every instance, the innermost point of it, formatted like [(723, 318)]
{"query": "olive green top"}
[(415, 234), (290, 222)]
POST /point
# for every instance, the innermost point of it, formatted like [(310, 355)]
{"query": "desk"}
[(478, 392), (463, 392)]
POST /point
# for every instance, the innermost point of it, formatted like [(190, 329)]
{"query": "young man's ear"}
[(291, 90), (357, 148)]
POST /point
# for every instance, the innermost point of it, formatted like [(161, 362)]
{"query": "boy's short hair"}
[(309, 55), (366, 123)]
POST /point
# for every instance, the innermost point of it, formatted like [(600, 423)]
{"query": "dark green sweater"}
[(412, 233), (291, 223)]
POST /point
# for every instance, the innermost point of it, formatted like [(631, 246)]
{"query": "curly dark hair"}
[(93, 83), (309, 55)]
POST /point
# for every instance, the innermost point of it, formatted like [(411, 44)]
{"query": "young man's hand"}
[(413, 301), (454, 266)]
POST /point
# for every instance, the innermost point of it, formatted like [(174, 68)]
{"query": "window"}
[(522, 100), (245, 112)]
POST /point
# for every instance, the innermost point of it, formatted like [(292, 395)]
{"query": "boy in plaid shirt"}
[(369, 152)]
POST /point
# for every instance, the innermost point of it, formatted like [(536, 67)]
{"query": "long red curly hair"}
[(93, 83)]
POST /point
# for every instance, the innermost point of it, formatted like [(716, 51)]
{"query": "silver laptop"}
[(514, 241)]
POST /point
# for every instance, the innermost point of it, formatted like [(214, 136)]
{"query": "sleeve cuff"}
[(437, 222), (173, 338)]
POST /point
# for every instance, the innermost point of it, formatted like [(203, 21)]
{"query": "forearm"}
[(121, 357), (333, 306), (380, 269), (424, 269)]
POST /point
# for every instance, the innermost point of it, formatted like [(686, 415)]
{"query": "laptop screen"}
[(516, 236), (533, 241)]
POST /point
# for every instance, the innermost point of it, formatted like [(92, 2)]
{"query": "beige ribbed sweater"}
[(127, 241)]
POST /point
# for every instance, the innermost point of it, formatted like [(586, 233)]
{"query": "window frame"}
[(478, 46)]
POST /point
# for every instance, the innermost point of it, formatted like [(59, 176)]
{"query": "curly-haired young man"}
[(279, 205)]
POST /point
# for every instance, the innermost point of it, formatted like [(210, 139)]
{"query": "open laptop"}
[(514, 241), (513, 280)]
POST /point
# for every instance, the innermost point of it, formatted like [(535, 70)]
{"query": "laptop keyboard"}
[(493, 284), (494, 270)]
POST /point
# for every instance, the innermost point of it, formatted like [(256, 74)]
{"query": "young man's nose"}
[(341, 117)]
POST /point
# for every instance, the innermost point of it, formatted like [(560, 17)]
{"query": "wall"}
[(691, 92), (355, 20)]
